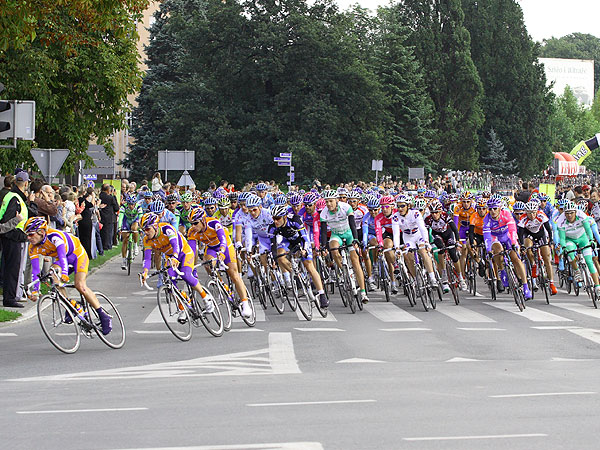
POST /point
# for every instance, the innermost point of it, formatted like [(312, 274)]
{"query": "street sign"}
[(281, 163), (49, 160), (289, 183), (91, 183), (276, 159), (291, 168), (103, 164), (90, 177), (291, 175), (285, 155), (416, 173), (186, 179), (22, 118), (377, 164), (176, 160)]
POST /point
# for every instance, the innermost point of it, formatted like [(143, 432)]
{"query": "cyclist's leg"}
[(134, 227), (390, 257), (334, 243)]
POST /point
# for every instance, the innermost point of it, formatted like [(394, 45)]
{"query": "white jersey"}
[(572, 230), (412, 227), (338, 219)]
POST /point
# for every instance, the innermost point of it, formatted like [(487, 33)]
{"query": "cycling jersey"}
[(183, 216), (143, 205), (215, 237), (293, 234), (412, 229), (170, 218), (462, 218), (383, 227), (502, 229), (66, 250), (359, 213), (576, 234), (128, 216), (257, 231), (311, 223), (538, 228), (341, 222), (226, 219), (368, 226)]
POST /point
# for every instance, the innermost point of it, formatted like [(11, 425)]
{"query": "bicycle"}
[(588, 284), (542, 280), (63, 320), (259, 284), (451, 273), (347, 280), (305, 299), (181, 311), (226, 298), (423, 284), (513, 282), (278, 287), (323, 269), (383, 280), (130, 250), (404, 276)]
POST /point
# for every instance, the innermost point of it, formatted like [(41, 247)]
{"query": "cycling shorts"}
[(126, 224), (285, 244), (342, 238), (229, 253), (413, 240)]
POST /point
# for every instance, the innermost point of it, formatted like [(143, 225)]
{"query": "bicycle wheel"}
[(59, 323), (385, 279), (431, 297), (409, 288), (348, 288), (175, 313), (276, 297), (340, 285), (472, 276), (213, 322), (453, 282), (543, 281), (516, 290), (250, 321), (420, 288), (116, 338), (589, 286), (304, 300), (257, 292), (529, 276), (222, 302), (129, 254)]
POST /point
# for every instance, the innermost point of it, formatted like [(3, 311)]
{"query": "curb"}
[(32, 312)]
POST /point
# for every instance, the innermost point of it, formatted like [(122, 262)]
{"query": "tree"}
[(495, 159), (517, 102), (80, 75), (575, 46), (442, 46)]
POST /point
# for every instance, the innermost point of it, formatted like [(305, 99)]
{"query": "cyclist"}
[(210, 231), (359, 213), (340, 219), (385, 235), (166, 239), (144, 201), (369, 237), (210, 206), (534, 229), (291, 229), (295, 201), (69, 256), (266, 198), (499, 228), (462, 216), (445, 234), (187, 199), (239, 216), (225, 214), (256, 230), (129, 215), (476, 232), (408, 226), (310, 218)]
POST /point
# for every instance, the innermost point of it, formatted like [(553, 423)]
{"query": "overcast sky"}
[(543, 18)]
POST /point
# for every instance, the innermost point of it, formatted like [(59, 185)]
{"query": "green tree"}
[(442, 46), (575, 46), (517, 102), (495, 158), (79, 75)]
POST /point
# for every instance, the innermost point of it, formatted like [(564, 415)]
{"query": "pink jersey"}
[(383, 225)]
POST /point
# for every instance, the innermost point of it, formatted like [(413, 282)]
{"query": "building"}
[(578, 74)]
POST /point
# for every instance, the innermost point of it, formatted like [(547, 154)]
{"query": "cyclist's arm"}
[(588, 230), (378, 232), (316, 230), (273, 242), (396, 233), (521, 234), (471, 234), (562, 236), (548, 228), (512, 229), (61, 258), (422, 228), (35, 268), (248, 229), (452, 226), (365, 228), (352, 224), (323, 234), (120, 219), (487, 235)]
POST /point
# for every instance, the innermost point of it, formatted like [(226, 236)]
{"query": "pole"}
[(376, 176), (166, 163), (49, 166), (290, 172)]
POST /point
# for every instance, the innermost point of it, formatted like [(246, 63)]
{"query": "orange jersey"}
[(210, 236), (463, 215), (477, 221), (168, 241)]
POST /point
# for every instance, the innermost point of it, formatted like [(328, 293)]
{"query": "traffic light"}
[(6, 120)]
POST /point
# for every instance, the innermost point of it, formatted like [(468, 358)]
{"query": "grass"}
[(6, 316)]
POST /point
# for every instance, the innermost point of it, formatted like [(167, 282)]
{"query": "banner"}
[(549, 190), (117, 185), (580, 152)]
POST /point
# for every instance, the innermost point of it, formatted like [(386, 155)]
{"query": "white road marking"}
[(535, 315), (145, 292), (316, 316), (572, 359), (77, 411), (244, 330), (324, 402), (358, 360), (550, 327), (541, 394), (462, 314), (319, 329), (268, 446), (588, 333), (7, 334), (587, 310), (152, 331), (460, 359), (490, 436), (278, 358), (405, 329), (118, 298), (481, 329), (388, 312), (154, 316)]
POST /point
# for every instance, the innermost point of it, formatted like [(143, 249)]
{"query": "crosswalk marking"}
[(462, 314), (587, 310), (316, 316), (587, 333), (388, 312), (535, 315), (154, 316)]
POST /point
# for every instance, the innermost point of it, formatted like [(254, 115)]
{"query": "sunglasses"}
[(210, 207), (402, 205), (481, 207), (494, 209), (254, 209)]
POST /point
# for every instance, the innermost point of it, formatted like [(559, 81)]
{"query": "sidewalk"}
[(30, 309)]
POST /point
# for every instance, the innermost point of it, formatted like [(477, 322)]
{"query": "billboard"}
[(576, 73)]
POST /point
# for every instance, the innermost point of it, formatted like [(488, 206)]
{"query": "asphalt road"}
[(476, 376)]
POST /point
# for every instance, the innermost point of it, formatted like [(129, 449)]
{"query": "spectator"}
[(13, 215), (44, 201), (59, 218), (108, 215), (86, 202), (157, 183), (8, 183)]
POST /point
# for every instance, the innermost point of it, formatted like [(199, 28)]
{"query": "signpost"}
[(377, 166), (103, 163), (186, 180), (285, 160), (176, 160), (49, 160), (416, 173)]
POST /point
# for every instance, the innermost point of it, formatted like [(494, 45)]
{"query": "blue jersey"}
[(258, 227)]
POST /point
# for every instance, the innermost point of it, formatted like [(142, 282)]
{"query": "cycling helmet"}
[(496, 196), (279, 210), (295, 199), (310, 198), (494, 203), (543, 197), (532, 206), (486, 194), (330, 193), (320, 205), (342, 192), (261, 187), (435, 206), (561, 202), (420, 204), (386, 200), (224, 203), (34, 224), (253, 201), (281, 200), (233, 196), (519, 206), (534, 196), (196, 215), (403, 198), (218, 194), (354, 195), (357, 189), (172, 198), (453, 198), (481, 203), (570, 206), (421, 190), (429, 194), (209, 201), (187, 197), (148, 220), (130, 199), (466, 195), (373, 202), (157, 206), (243, 196), (206, 194), (581, 206), (146, 194)]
